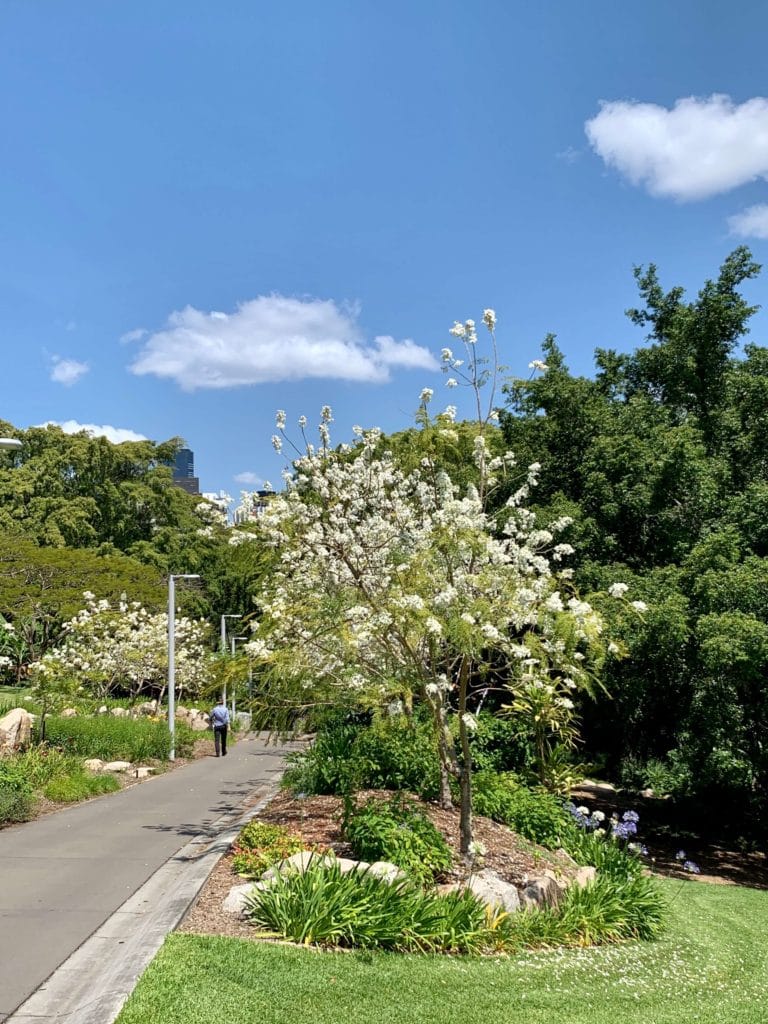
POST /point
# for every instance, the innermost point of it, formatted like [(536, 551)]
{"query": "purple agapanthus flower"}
[(692, 867)]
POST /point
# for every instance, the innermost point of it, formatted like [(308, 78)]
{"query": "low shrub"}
[(113, 739), (79, 786), (534, 814), (325, 907), (498, 745), (398, 831), (17, 800), (260, 845), (392, 753)]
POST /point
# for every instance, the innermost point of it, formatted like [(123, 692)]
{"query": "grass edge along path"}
[(711, 966)]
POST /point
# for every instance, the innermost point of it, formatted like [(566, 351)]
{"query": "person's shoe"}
[(224, 754)]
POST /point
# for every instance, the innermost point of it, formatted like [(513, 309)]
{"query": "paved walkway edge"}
[(92, 985)]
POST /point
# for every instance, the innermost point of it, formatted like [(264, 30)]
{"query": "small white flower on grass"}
[(470, 722), (618, 589), (640, 606)]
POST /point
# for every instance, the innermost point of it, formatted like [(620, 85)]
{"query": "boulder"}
[(68, 713), (199, 724), (234, 902), (585, 876), (117, 766), (142, 772), (94, 764), (15, 730), (493, 890), (541, 892), (243, 721), (102, 710), (148, 708), (564, 855), (299, 863), (120, 712)]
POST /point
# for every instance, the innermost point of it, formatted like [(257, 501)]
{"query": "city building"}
[(184, 471)]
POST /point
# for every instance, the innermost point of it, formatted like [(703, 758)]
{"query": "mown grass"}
[(710, 967)]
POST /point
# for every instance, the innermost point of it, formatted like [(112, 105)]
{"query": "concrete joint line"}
[(113, 959)]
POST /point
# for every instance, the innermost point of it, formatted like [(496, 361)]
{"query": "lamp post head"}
[(10, 443)]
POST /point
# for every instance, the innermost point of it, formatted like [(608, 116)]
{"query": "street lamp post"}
[(10, 444), (172, 656), (224, 643), (234, 685)]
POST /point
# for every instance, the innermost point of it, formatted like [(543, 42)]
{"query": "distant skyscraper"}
[(184, 471)]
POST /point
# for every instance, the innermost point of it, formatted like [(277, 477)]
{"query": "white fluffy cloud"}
[(698, 148), (249, 478), (272, 338), (750, 223), (114, 434), (67, 371)]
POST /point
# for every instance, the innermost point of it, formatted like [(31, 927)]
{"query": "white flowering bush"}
[(392, 583), (125, 648)]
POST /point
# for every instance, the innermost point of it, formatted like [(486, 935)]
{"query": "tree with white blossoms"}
[(125, 649), (392, 583)]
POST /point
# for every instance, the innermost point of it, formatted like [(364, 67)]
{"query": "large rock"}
[(243, 720), (15, 731), (94, 764), (585, 876), (493, 890), (541, 892), (117, 766), (120, 713), (235, 900), (142, 772), (299, 863), (68, 713), (198, 724), (386, 870), (148, 708)]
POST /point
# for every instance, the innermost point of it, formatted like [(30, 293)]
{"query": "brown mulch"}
[(317, 819)]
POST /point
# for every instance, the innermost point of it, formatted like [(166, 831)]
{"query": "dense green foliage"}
[(535, 814), (260, 845), (660, 460), (396, 830), (117, 739), (326, 907), (393, 753), (80, 786)]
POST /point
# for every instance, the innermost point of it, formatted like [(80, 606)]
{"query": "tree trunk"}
[(465, 774)]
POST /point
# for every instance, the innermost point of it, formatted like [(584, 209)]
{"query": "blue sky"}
[(213, 211)]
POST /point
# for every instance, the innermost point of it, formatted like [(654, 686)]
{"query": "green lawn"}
[(711, 968)]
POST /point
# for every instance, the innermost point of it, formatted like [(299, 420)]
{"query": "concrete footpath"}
[(145, 851)]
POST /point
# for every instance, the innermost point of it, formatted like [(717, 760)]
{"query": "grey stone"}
[(142, 772), (199, 724), (94, 764), (541, 892), (585, 876), (68, 713), (102, 710), (494, 891), (235, 900), (117, 766), (15, 730), (564, 855), (299, 863), (120, 713), (243, 720), (148, 708)]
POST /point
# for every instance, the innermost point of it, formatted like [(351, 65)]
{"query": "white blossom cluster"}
[(387, 579), (126, 647)]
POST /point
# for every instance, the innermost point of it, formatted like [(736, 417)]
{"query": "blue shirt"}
[(219, 716)]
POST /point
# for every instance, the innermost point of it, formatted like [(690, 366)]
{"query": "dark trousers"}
[(220, 739)]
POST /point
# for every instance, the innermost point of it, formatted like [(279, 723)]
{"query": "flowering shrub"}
[(260, 845), (125, 648), (390, 583)]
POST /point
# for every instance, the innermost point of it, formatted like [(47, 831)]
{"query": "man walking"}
[(220, 723)]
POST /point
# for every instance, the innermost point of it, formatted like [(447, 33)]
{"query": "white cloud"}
[(249, 478), (750, 223), (272, 338), (68, 371), (114, 434), (136, 335), (699, 148)]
